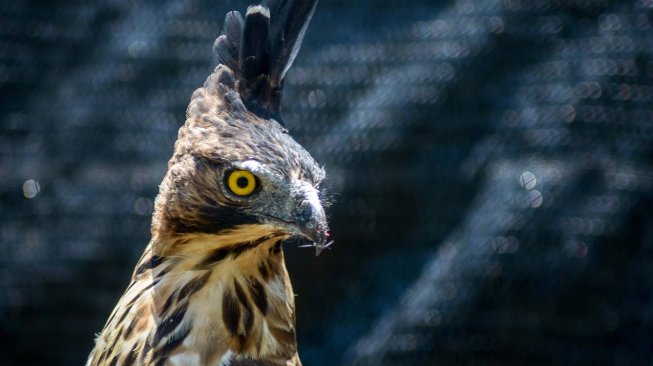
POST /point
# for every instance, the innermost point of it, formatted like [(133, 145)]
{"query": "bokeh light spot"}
[(143, 206), (31, 188), (527, 180), (535, 198)]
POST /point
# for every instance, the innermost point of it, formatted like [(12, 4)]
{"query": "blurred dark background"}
[(490, 162)]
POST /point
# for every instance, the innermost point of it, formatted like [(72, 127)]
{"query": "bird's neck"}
[(219, 297)]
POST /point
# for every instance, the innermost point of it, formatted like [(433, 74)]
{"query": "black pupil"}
[(242, 182)]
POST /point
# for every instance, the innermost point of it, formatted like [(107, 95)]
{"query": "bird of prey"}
[(211, 287)]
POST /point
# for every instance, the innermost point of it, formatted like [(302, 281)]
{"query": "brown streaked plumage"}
[(211, 287)]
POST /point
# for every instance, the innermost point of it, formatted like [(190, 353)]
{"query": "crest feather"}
[(260, 49)]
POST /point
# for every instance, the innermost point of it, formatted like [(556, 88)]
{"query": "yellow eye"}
[(241, 182)]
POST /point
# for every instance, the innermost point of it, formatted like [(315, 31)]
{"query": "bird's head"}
[(235, 168)]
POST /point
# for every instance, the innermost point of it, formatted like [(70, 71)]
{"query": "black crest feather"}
[(260, 49), (227, 46)]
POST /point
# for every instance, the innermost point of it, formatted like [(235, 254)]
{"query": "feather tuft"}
[(255, 44), (227, 46), (260, 49)]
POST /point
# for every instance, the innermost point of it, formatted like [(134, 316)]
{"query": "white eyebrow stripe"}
[(251, 165), (261, 171)]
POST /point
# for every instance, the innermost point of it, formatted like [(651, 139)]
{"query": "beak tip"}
[(319, 238)]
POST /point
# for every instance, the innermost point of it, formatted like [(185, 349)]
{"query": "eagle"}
[(211, 287)]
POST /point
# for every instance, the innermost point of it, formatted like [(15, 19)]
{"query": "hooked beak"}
[(312, 224), (307, 219)]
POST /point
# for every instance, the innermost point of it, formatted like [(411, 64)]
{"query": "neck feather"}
[(202, 298)]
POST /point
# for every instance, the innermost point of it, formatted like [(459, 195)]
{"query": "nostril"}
[(306, 213)]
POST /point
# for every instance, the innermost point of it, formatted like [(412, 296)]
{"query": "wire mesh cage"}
[(489, 164)]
